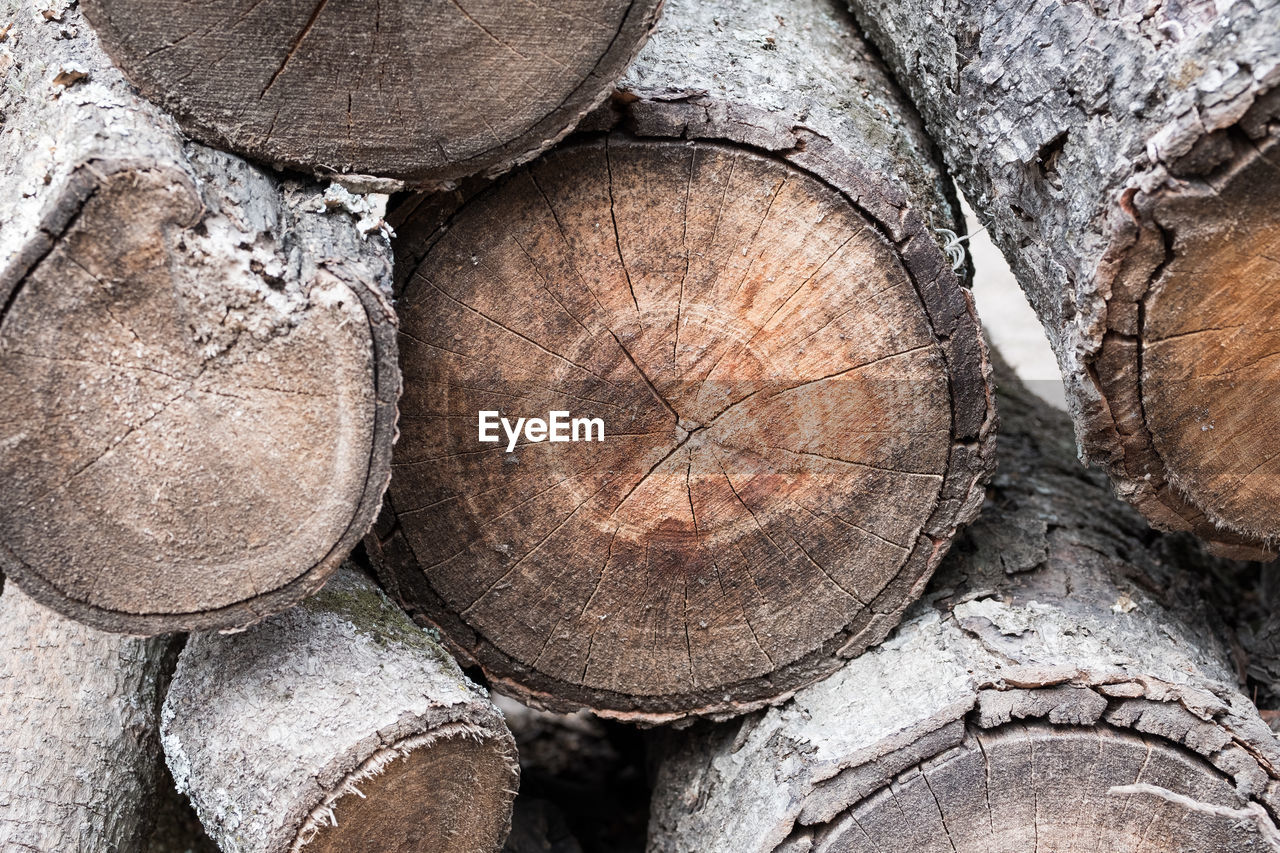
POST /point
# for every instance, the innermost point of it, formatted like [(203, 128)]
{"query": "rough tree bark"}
[(197, 360), (1058, 653), (423, 92), (744, 286), (1126, 157), (338, 725), (79, 738)]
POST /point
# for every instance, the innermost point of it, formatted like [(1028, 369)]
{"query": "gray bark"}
[(197, 359), (320, 728), (1057, 606), (79, 732), (1092, 139)]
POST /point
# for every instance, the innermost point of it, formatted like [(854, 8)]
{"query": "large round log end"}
[(782, 461)]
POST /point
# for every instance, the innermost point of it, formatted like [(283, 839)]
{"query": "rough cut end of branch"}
[(361, 733), (1036, 786), (785, 453), (424, 92), (1061, 652), (199, 409), (1190, 365)]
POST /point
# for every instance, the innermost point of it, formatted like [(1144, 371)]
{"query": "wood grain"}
[(197, 363), (791, 376), (1131, 183), (1035, 786), (424, 92), (1061, 649)]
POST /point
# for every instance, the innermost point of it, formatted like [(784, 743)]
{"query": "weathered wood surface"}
[(338, 725), (197, 360), (422, 92), (745, 287), (1126, 158), (1060, 650), (79, 731)]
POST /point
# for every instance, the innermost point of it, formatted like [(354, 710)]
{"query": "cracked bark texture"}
[(197, 360), (338, 725), (735, 270), (1060, 650), (1125, 157), (79, 739), (427, 93)]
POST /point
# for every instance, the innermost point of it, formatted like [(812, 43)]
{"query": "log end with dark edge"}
[(783, 458), (1062, 685), (338, 725), (427, 93), (1199, 279), (198, 412), (1132, 185)]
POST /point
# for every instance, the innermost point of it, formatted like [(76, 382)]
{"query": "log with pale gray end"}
[(1058, 653), (336, 726), (426, 92), (197, 359), (1126, 158), (80, 757), (736, 273)]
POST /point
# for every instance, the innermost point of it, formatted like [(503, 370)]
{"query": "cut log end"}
[(780, 466), (427, 93), (363, 734), (194, 436), (1018, 787), (448, 790), (1206, 352)]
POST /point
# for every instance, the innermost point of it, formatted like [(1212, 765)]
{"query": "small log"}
[(1062, 650), (745, 289), (337, 726), (79, 731), (197, 359), (1127, 162), (422, 92)]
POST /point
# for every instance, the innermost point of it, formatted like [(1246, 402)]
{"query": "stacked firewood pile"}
[(618, 357)]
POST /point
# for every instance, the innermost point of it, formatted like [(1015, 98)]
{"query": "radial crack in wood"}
[(197, 360), (791, 382), (1126, 161), (422, 92), (1061, 650), (360, 733)]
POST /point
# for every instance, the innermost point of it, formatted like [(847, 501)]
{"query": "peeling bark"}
[(1060, 651), (426, 93), (336, 726), (1125, 157), (736, 271), (79, 731), (197, 359)]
